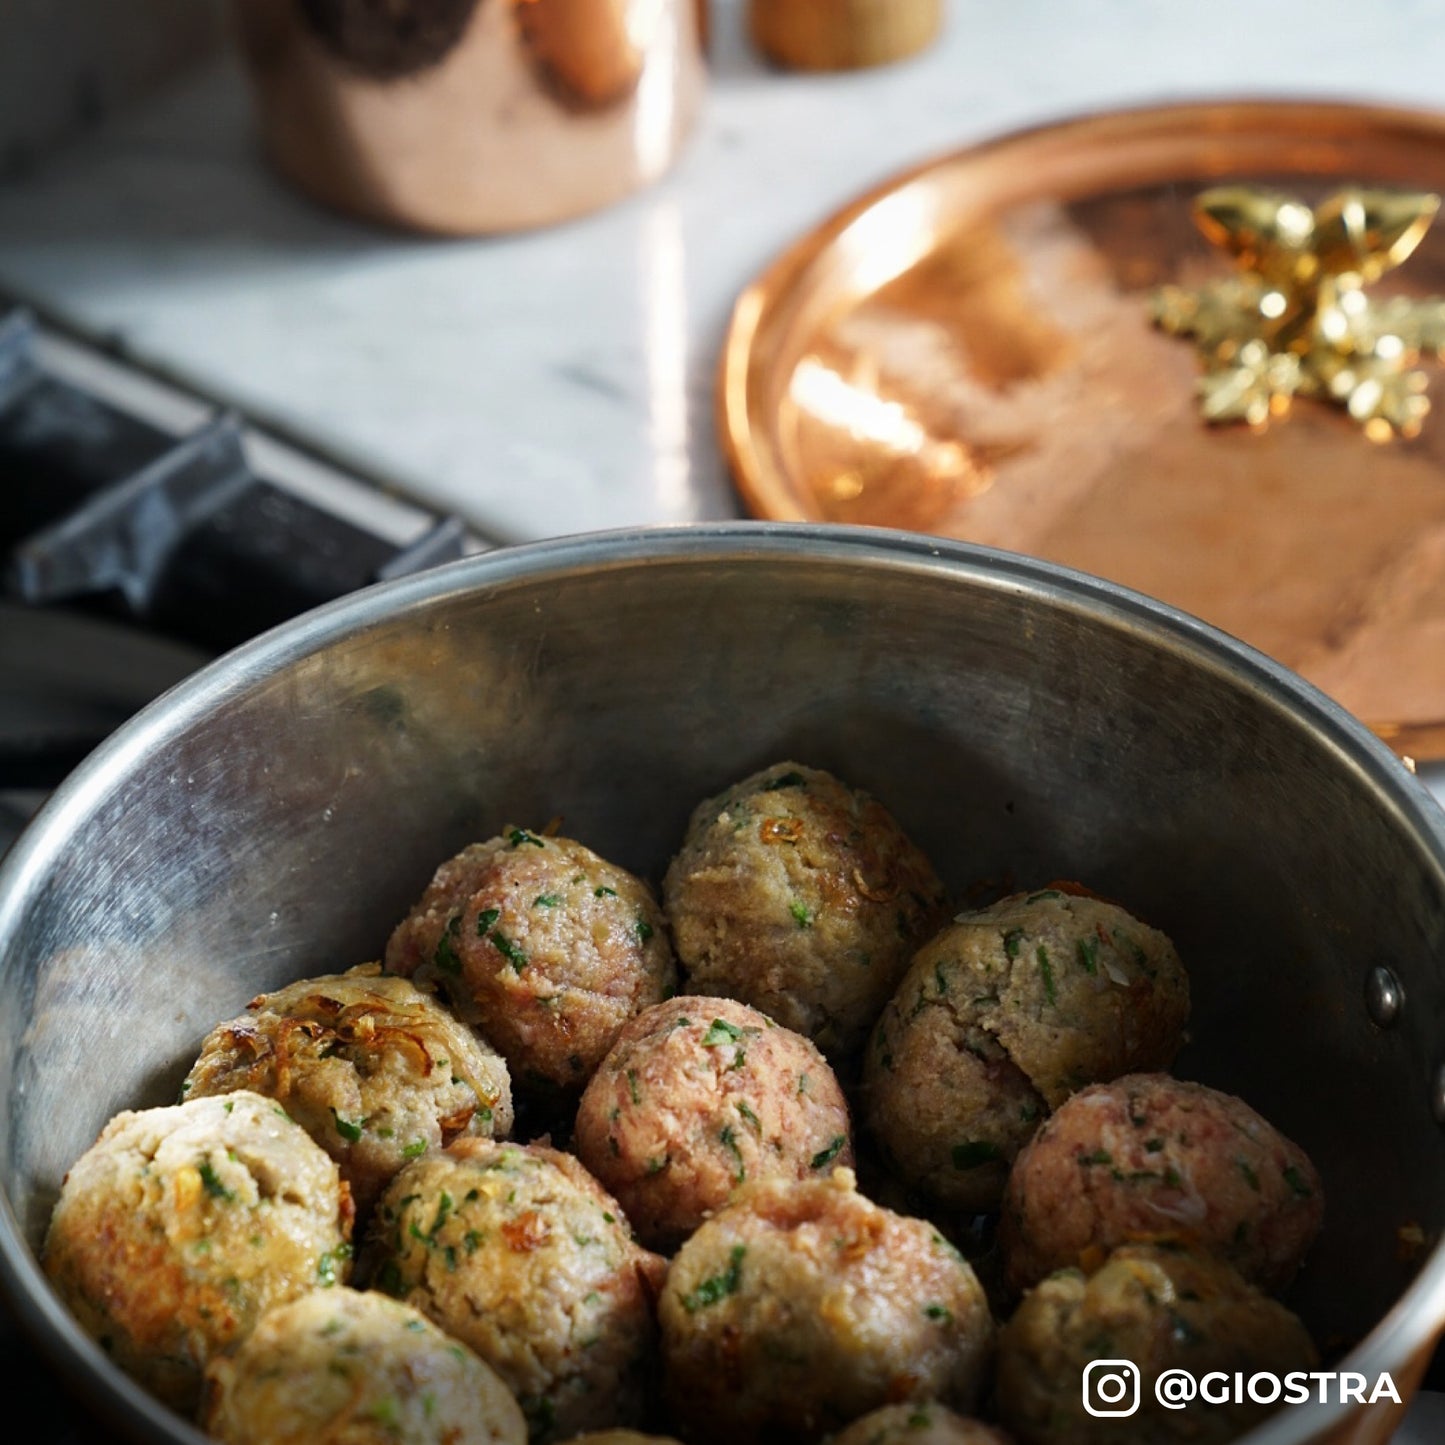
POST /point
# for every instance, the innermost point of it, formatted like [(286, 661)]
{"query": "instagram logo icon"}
[(1111, 1388)]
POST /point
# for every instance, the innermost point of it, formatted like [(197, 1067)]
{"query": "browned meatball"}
[(337, 1367), (541, 944), (698, 1096), (803, 897), (945, 1104), (1002, 1016), (518, 1252), (1160, 1309), (1150, 1157), (374, 1070), (178, 1228), (801, 1306), (921, 1422)]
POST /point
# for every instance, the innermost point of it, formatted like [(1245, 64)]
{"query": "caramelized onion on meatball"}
[(372, 1068)]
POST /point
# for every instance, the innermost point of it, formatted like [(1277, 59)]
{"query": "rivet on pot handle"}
[(1384, 999)]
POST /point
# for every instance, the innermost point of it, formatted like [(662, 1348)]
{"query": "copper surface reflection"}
[(969, 351), (511, 115), (885, 461)]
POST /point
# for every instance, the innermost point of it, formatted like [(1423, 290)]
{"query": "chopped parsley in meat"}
[(730, 1143), (212, 1182), (445, 956), (1296, 1182), (508, 949), (719, 1286), (348, 1130), (1046, 969), (721, 1032), (788, 780)]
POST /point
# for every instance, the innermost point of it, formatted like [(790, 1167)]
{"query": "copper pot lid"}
[(968, 350)]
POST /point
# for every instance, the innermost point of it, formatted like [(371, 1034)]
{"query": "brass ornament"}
[(1295, 320)]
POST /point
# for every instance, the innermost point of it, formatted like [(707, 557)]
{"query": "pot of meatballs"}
[(736, 983)]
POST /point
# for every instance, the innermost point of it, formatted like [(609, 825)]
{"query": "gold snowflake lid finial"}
[(1295, 320)]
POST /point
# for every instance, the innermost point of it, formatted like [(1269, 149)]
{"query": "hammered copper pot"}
[(471, 116), (275, 815)]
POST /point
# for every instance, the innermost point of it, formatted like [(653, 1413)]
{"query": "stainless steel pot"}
[(275, 815)]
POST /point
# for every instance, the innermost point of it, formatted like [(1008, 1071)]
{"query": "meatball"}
[(1151, 1157), (1000, 1018), (921, 1422), (374, 1070), (179, 1227), (945, 1104), (544, 946), (518, 1252), (801, 1306), (803, 897), (1160, 1308), (698, 1096), (337, 1367)]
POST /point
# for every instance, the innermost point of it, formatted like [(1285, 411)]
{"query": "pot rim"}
[(1409, 1327)]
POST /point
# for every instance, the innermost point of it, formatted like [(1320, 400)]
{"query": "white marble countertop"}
[(562, 380)]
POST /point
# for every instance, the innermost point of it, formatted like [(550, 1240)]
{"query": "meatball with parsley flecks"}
[(544, 946), (999, 1018), (922, 1422), (1160, 1309), (518, 1252), (337, 1367), (701, 1095), (802, 1305), (946, 1106), (1152, 1157), (179, 1227), (803, 897), (376, 1071)]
